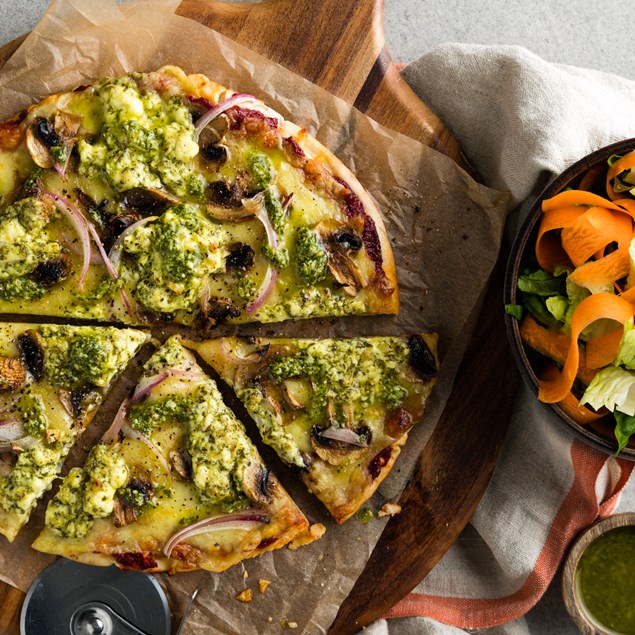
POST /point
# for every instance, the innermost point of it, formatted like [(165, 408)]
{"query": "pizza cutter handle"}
[(97, 618)]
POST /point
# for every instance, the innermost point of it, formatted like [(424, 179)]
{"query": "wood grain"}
[(339, 45), (450, 476)]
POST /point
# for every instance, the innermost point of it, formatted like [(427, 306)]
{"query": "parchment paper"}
[(444, 227)]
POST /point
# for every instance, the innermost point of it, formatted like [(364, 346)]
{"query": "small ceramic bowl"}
[(600, 433), (586, 622)]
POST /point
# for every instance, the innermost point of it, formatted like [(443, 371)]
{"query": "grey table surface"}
[(577, 32)]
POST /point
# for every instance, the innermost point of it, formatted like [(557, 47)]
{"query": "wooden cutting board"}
[(339, 45)]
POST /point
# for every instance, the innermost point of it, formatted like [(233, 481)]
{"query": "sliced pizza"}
[(52, 378), (338, 410), (174, 485), (165, 197)]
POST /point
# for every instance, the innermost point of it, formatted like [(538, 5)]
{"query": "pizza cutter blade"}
[(69, 598)]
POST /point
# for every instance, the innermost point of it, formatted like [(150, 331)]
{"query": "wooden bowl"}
[(600, 433), (570, 590)]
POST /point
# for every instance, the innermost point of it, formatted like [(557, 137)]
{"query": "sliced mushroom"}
[(66, 125), (398, 422), (241, 258), (125, 512), (339, 241), (51, 272), (12, 373), (210, 140), (38, 137), (116, 225), (348, 445), (344, 270), (147, 202), (77, 400), (182, 464), (43, 135), (31, 346), (231, 195), (257, 484), (217, 310), (247, 373), (421, 358), (347, 239), (296, 392)]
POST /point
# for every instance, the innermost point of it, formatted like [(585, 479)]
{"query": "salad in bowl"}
[(570, 297)]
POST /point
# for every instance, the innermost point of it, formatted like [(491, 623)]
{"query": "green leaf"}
[(613, 388), (557, 306), (535, 304), (626, 351), (624, 429), (541, 282), (515, 310)]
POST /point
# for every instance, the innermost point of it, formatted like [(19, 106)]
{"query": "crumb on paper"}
[(389, 509), (365, 515), (245, 596), (263, 584), (313, 533), (287, 624), (245, 574)]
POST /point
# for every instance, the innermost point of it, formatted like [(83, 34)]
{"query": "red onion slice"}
[(345, 435), (102, 252), (264, 291), (77, 220), (243, 521), (11, 429), (260, 212), (114, 255), (113, 432), (147, 384), (131, 433), (212, 113)]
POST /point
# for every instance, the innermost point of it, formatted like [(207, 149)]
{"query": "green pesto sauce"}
[(31, 476), (174, 256), (147, 416), (31, 407), (144, 141), (606, 579), (279, 257), (310, 256), (80, 356), (24, 244)]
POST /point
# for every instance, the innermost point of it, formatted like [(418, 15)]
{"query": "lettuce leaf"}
[(624, 429), (626, 351), (613, 388)]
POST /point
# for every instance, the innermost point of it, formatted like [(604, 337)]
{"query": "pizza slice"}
[(52, 378), (163, 197), (174, 485), (338, 410)]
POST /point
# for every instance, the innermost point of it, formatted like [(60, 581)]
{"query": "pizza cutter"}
[(69, 598)]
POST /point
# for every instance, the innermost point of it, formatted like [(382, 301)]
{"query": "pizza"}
[(337, 410), (165, 197), (52, 379), (174, 485)]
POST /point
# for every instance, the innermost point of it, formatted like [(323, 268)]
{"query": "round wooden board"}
[(340, 46)]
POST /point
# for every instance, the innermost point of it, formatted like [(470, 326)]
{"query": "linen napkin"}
[(520, 120)]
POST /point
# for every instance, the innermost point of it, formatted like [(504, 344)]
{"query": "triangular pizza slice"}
[(338, 410), (174, 485), (52, 378)]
